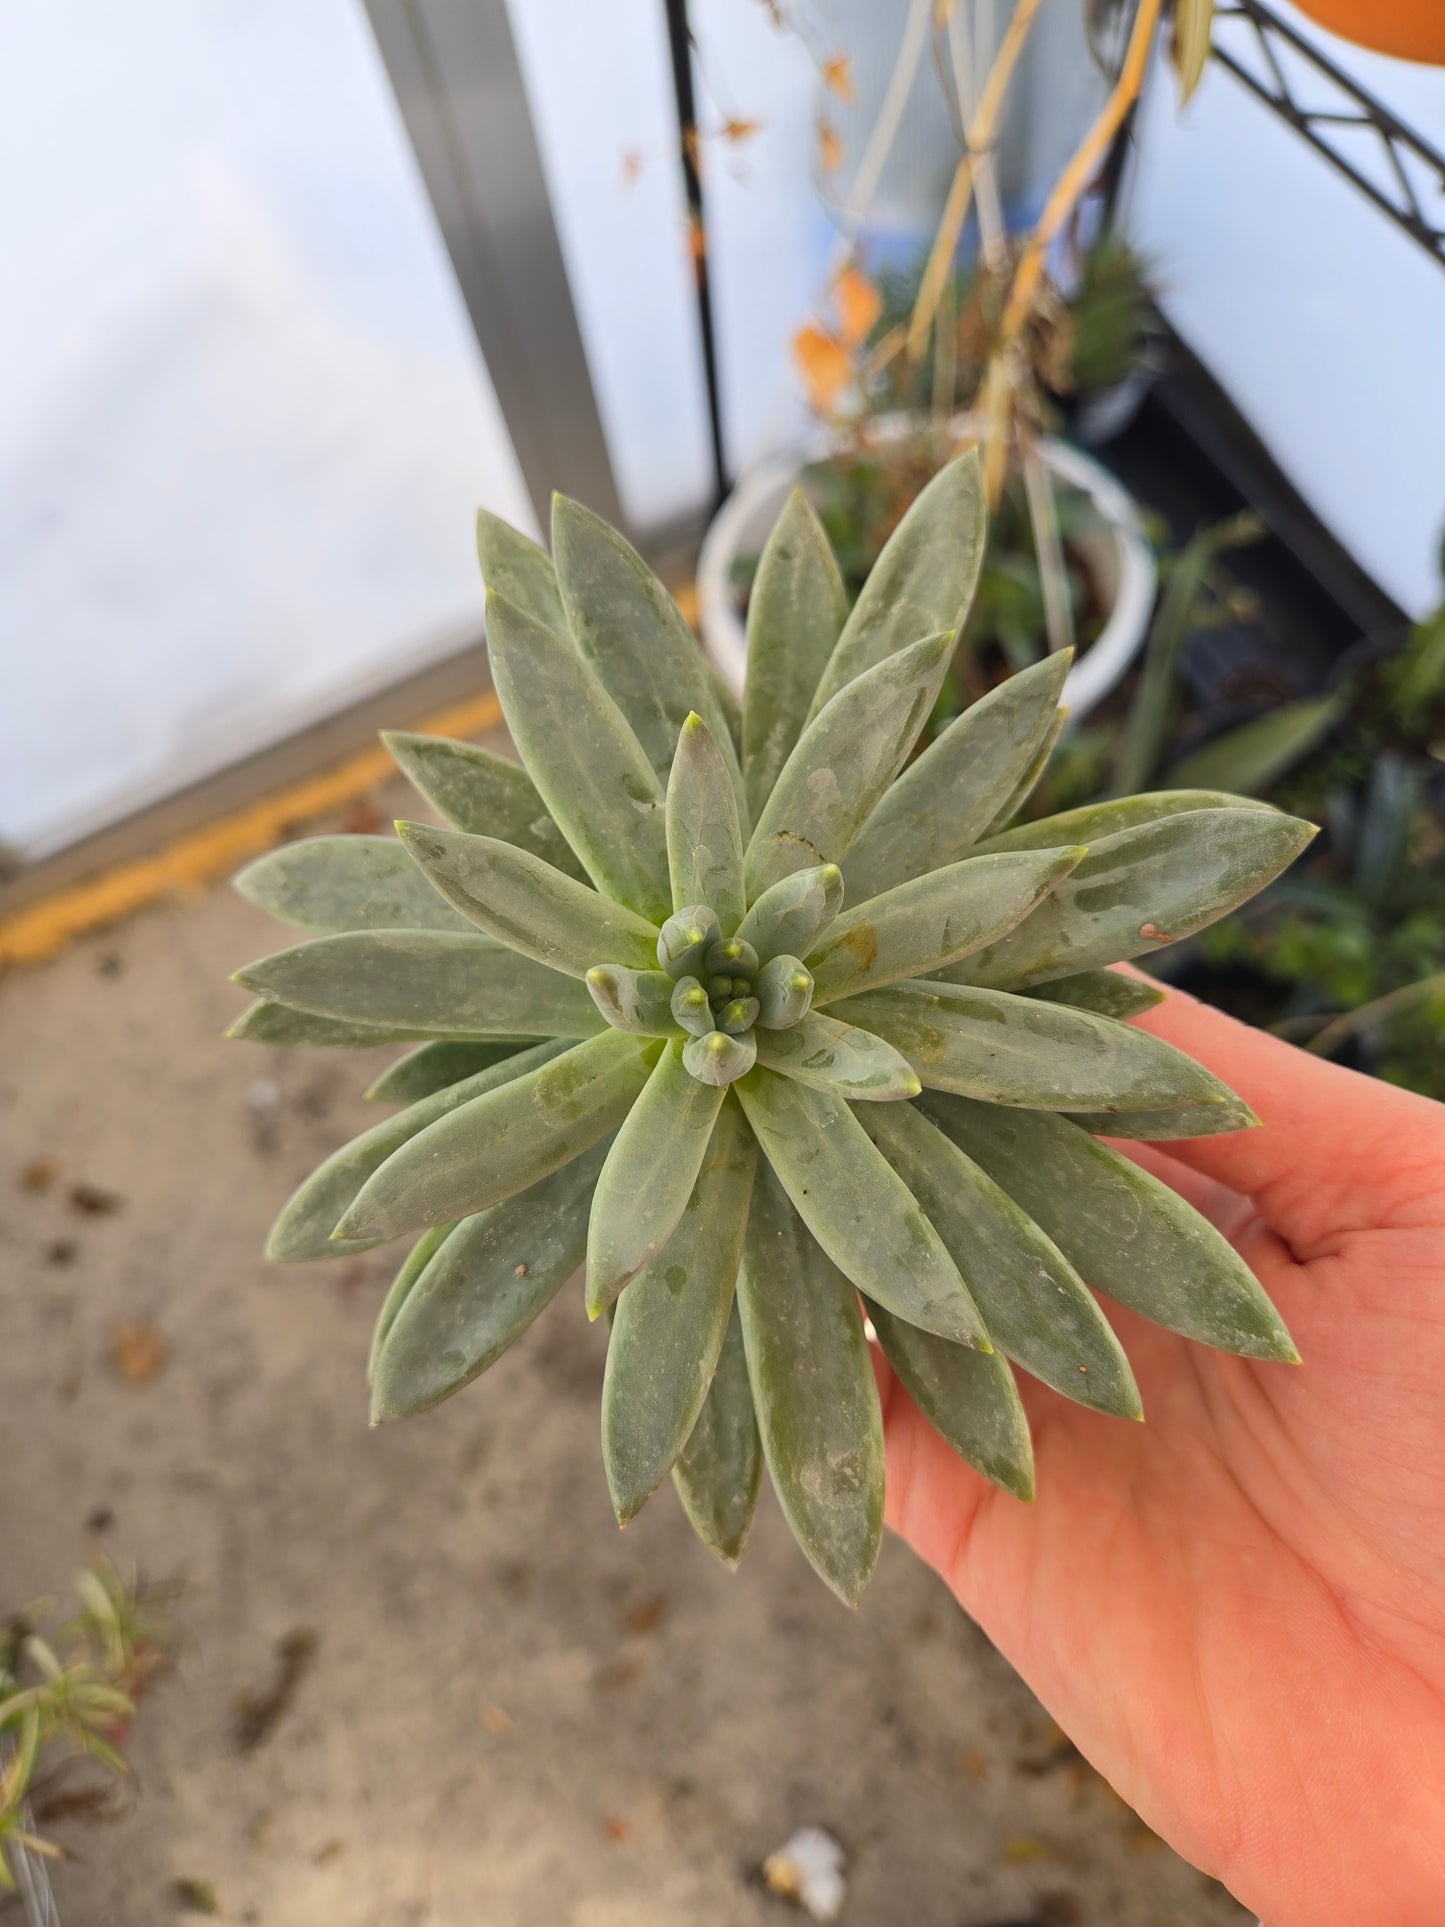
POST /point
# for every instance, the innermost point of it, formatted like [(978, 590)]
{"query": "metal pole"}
[(679, 40)]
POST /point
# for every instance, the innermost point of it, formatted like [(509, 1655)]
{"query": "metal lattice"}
[(1409, 185)]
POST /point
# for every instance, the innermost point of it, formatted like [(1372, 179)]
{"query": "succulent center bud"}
[(722, 989)]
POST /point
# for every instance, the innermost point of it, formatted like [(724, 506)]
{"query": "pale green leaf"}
[(303, 1229), (946, 798), (844, 761), (482, 1289), (527, 905), (268, 1023), (417, 1260), (814, 1392), (719, 1469), (923, 581), (1185, 1120), (331, 883), (1193, 25), (486, 794), (704, 837), (831, 1056), (435, 1066), (587, 764), (517, 568), (1106, 992), (630, 630), (1091, 822), (639, 1001), (671, 1320), (1124, 1231), (795, 614), (1034, 1304), (427, 982), (788, 919), (857, 1207), (1032, 776), (968, 1397), (1020, 1050), (649, 1176), (918, 927), (487, 1150), (719, 1059), (1140, 889), (1248, 759)]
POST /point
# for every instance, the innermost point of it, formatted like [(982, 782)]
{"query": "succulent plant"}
[(774, 1028)]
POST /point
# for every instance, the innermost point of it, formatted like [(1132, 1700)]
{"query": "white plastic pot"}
[(1117, 553)]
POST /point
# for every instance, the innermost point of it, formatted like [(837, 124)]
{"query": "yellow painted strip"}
[(197, 858)]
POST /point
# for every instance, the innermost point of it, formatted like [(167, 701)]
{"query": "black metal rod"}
[(679, 41), (1373, 115)]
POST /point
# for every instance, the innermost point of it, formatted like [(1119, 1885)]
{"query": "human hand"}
[(1237, 1610)]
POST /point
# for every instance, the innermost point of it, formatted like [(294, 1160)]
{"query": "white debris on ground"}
[(808, 1869)]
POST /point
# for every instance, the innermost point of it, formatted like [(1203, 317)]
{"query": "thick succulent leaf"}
[(718, 1471), (485, 1151), (1140, 889), (704, 836), (308, 1218), (844, 761), (1020, 1050), (919, 927), (790, 917), (475, 790), (649, 1176), (1091, 822), (968, 1397), (1106, 992), (268, 1023), (923, 581), (436, 1066), (417, 1260), (1034, 1303), (671, 1321), (1187, 1120), (1251, 757), (831, 1056), (814, 1391), (436, 983), (1124, 1231), (588, 765), (482, 1289), (947, 797), (1032, 776), (630, 630), (635, 1000), (857, 1207), (719, 1059), (330, 883), (527, 905), (517, 568), (795, 614)]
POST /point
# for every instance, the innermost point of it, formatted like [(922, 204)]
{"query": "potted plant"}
[(900, 385), (752, 1014)]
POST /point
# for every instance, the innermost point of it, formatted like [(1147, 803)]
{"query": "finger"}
[(1333, 1151)]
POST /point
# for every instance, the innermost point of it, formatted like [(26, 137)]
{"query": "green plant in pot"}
[(770, 1028)]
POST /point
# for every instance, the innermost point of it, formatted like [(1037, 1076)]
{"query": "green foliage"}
[(70, 1693), (714, 1073)]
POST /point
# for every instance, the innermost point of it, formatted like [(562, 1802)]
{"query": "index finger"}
[(1333, 1150)]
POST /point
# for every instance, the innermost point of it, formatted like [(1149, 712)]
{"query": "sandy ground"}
[(514, 1715)]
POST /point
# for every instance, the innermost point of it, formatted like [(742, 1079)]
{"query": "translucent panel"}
[(1322, 319), (599, 85), (243, 421)]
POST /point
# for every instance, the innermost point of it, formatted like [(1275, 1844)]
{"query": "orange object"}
[(1408, 29)]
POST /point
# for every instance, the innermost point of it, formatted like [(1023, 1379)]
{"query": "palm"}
[(1238, 1609)]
